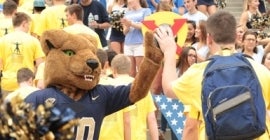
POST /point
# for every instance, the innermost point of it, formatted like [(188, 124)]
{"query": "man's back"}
[(190, 95), (17, 50), (52, 18), (81, 28), (5, 26)]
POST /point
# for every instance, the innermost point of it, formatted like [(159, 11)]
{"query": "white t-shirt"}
[(259, 55), (203, 51), (195, 17)]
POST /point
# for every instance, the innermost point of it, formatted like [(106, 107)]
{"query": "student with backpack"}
[(231, 91)]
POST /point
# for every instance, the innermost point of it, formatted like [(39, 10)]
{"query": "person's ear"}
[(209, 39), (114, 72)]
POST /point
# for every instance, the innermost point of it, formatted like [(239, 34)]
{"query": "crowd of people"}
[(121, 52)]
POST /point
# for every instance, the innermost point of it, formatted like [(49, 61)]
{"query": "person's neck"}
[(78, 22), (192, 11), (20, 29), (121, 75), (136, 7), (248, 52), (86, 3), (8, 16), (218, 49), (120, 2), (253, 10), (24, 84), (58, 3)]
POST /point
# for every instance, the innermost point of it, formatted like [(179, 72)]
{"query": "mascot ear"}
[(50, 39), (92, 39)]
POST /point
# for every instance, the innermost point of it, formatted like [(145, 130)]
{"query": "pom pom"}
[(221, 3), (260, 22), (115, 17), (19, 121)]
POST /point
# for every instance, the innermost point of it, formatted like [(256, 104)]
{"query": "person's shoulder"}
[(186, 15), (200, 66), (201, 14), (148, 10), (44, 91), (244, 14), (258, 66)]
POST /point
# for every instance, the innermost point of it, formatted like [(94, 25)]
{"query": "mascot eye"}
[(69, 52)]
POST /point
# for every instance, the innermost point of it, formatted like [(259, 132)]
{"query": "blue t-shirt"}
[(178, 3), (100, 15), (134, 36), (151, 6), (91, 108)]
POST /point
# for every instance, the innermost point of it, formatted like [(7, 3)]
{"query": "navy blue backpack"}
[(232, 100)]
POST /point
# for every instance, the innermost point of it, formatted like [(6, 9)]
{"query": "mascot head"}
[(71, 60)]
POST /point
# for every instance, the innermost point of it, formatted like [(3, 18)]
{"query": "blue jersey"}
[(91, 108)]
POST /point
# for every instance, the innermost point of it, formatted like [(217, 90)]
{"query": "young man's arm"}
[(165, 38), (152, 125), (127, 126)]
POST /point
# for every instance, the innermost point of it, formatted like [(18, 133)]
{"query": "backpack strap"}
[(214, 58)]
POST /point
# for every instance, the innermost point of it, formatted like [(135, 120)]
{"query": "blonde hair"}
[(163, 6), (246, 7), (121, 63)]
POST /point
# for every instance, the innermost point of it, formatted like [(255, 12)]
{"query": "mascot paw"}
[(152, 50)]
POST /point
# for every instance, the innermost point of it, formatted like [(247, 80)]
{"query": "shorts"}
[(134, 50), (206, 2), (117, 36)]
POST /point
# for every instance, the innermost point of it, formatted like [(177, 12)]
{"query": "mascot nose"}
[(92, 63)]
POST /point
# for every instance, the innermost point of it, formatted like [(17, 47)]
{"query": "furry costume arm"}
[(148, 69)]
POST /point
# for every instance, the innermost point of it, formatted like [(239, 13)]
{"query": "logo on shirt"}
[(94, 97), (50, 101)]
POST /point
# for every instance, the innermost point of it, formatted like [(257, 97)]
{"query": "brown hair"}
[(163, 6), (75, 9), (24, 74), (182, 63), (202, 27), (9, 6), (143, 3), (102, 57), (222, 27), (264, 56), (19, 18)]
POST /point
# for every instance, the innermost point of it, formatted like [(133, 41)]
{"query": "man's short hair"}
[(75, 9), (102, 56), (222, 27), (24, 74), (19, 18), (9, 6), (121, 63), (111, 54)]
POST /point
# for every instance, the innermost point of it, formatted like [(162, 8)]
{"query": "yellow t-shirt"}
[(81, 28), (112, 127), (5, 26), (35, 24), (139, 115), (28, 5), (17, 49), (188, 89), (53, 17)]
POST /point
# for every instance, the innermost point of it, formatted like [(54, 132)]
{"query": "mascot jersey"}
[(91, 108)]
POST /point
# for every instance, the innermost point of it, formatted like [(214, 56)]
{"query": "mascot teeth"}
[(89, 77)]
